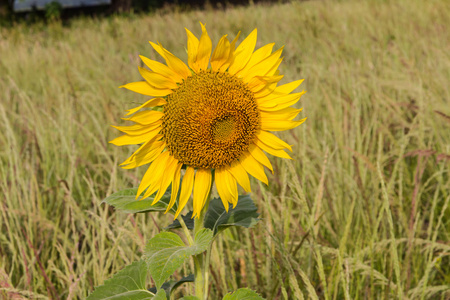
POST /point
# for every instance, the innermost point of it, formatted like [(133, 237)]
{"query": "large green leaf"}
[(244, 214), (127, 284), (160, 295), (125, 200), (217, 218), (166, 252), (240, 294)]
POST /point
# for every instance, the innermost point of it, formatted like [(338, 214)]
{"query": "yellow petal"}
[(192, 44), (226, 187), (220, 54), (281, 90), (270, 150), (160, 68), (272, 140), (265, 91), (202, 187), (144, 147), (263, 67), (164, 175), (243, 53), (137, 129), (167, 178), (260, 156), (289, 87), (175, 187), (253, 167), (260, 82), (157, 80), (225, 66), (145, 155), (153, 173), (288, 113), (135, 139), (241, 176), (279, 125), (186, 189), (146, 117), (142, 87), (257, 56), (150, 103), (204, 49), (174, 63), (280, 103)]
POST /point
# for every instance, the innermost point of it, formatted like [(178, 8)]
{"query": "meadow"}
[(361, 212)]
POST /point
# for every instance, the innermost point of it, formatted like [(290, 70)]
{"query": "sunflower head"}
[(217, 114)]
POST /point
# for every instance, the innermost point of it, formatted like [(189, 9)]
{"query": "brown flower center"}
[(210, 120)]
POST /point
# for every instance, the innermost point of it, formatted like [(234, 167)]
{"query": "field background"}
[(362, 212)]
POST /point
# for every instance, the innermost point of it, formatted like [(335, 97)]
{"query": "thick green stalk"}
[(201, 271)]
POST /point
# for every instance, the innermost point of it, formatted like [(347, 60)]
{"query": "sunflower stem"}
[(208, 256), (201, 271), (186, 231)]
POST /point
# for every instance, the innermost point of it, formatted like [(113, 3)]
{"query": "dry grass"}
[(362, 212)]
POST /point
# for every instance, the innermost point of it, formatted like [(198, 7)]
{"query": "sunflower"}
[(212, 117)]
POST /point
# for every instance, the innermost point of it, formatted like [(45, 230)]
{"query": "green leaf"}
[(170, 285), (244, 214), (166, 252), (217, 218), (240, 294), (125, 200), (160, 295), (188, 220), (127, 284), (190, 298)]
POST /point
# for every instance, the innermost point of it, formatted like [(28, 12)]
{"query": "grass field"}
[(362, 212)]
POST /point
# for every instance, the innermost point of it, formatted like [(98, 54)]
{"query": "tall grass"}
[(362, 212)]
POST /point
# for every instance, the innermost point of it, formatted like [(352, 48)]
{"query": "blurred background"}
[(32, 10), (361, 212)]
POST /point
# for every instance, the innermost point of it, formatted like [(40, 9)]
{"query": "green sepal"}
[(171, 285), (166, 252), (127, 284), (217, 218), (125, 200), (244, 293)]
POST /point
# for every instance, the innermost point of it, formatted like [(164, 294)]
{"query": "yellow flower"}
[(215, 117)]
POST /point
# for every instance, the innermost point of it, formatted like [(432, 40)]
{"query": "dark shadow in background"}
[(54, 11)]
